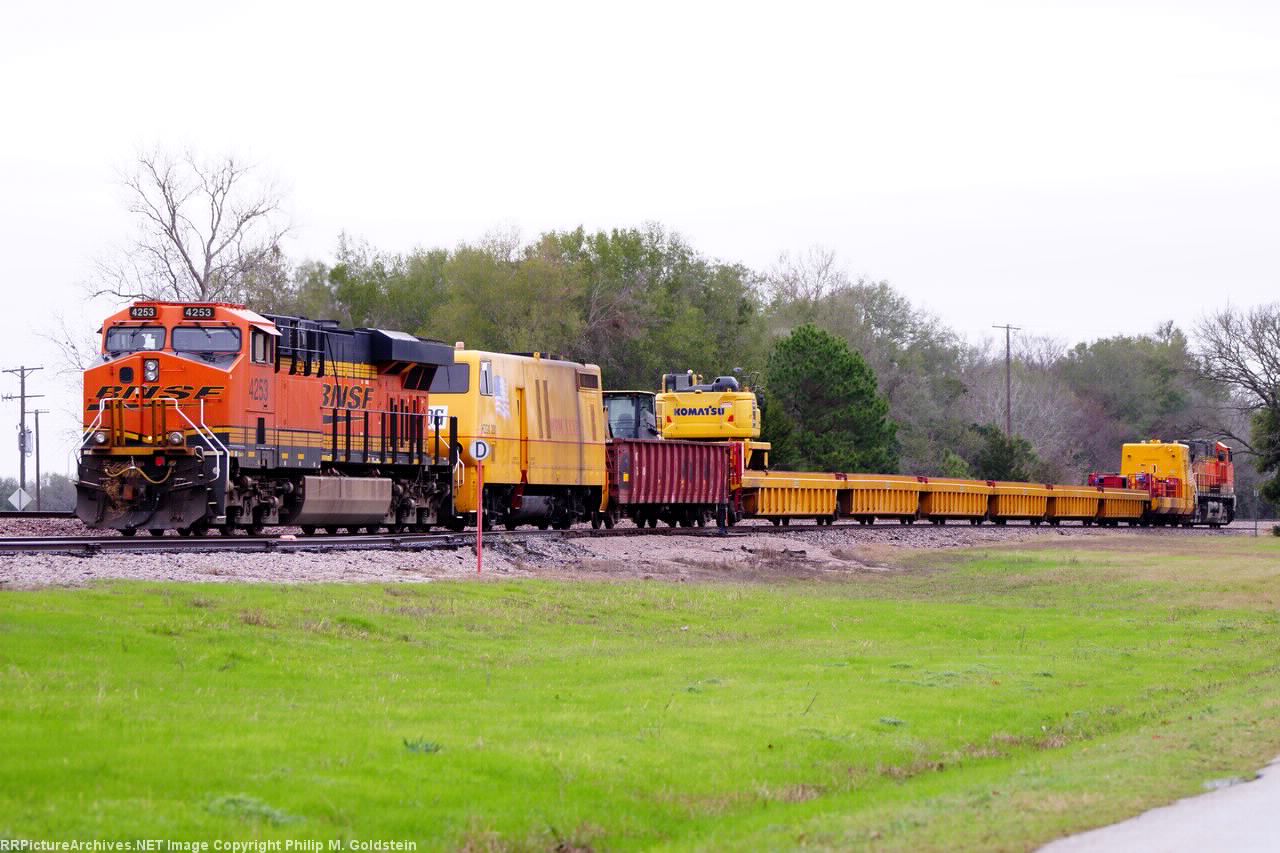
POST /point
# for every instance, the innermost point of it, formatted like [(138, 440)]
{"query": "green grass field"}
[(992, 699)]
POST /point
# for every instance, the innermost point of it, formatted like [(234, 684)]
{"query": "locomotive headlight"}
[(99, 438), (175, 438), (150, 370)]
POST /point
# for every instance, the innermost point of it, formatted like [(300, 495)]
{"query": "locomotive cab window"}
[(486, 378), (123, 339), (452, 379), (262, 347), (216, 340)]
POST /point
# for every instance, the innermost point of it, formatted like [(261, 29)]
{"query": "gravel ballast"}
[(758, 553)]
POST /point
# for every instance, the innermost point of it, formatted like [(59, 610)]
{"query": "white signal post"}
[(479, 452)]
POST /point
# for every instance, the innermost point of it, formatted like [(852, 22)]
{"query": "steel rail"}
[(451, 540)]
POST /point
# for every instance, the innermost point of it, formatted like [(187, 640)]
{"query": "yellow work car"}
[(543, 422)]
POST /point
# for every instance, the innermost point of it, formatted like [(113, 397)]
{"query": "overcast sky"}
[(1077, 169)]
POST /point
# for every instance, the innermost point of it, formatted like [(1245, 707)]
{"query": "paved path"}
[(1241, 819)]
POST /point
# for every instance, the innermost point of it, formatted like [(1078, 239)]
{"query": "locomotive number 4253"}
[(260, 390)]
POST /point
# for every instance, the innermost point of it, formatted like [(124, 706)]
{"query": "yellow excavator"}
[(688, 409)]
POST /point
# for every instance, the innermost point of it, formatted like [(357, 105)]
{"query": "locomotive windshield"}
[(453, 379), (123, 339), (206, 340)]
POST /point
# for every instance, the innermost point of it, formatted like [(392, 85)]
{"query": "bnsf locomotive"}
[(210, 416)]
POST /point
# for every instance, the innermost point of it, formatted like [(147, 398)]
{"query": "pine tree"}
[(824, 400)]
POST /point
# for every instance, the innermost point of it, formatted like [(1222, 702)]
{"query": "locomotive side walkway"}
[(1241, 818)]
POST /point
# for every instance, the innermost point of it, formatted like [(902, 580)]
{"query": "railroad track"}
[(442, 540), (445, 540)]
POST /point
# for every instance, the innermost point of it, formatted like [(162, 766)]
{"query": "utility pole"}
[(38, 413), (1008, 374), (21, 373)]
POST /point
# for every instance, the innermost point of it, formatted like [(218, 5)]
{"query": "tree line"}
[(854, 376)]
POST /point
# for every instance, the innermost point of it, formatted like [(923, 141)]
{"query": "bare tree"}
[(806, 279), (1045, 412), (1241, 350), (206, 230)]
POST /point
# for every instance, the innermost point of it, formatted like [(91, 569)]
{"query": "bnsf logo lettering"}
[(151, 392), (338, 396), (682, 411)]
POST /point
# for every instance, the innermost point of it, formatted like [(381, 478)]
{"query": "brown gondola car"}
[(678, 482)]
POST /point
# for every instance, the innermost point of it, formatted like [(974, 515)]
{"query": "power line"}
[(22, 397), (1008, 374)]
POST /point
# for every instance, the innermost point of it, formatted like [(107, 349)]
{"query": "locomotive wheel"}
[(256, 528), (595, 521), (608, 521), (353, 531), (331, 529), (543, 525), (308, 530), (184, 532), (199, 529), (511, 525), (128, 531), (156, 531)]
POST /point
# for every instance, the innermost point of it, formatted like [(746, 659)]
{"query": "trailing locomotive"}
[(1187, 482), (210, 415)]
